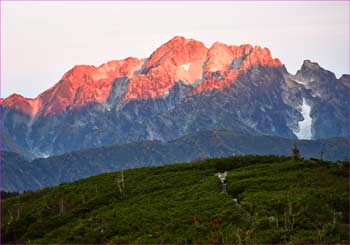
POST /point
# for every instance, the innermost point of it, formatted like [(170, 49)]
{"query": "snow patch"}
[(297, 81), (45, 155), (305, 125), (41, 154), (166, 93), (107, 107), (186, 67)]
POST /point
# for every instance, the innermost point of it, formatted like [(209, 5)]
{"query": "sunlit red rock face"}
[(80, 86), (180, 59), (226, 63), (86, 84), (19, 103)]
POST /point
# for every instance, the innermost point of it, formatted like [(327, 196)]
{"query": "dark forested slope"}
[(21, 175)]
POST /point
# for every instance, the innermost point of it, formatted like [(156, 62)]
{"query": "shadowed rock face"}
[(182, 88), (330, 100)]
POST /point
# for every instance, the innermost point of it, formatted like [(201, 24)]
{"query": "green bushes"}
[(270, 199)]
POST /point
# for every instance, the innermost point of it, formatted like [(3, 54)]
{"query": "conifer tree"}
[(295, 152)]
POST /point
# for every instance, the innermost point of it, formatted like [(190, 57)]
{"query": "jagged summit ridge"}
[(182, 88), (179, 59)]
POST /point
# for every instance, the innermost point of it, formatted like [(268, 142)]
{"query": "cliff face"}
[(182, 88)]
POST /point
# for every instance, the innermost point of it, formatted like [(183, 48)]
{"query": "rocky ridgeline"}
[(182, 88)]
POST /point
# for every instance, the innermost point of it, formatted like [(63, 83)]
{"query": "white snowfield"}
[(305, 125), (186, 67), (297, 81)]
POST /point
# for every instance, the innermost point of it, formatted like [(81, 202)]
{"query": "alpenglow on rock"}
[(182, 88)]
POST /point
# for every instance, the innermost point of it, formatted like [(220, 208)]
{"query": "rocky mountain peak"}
[(309, 65), (177, 51), (260, 56), (13, 99), (78, 73), (345, 79), (225, 63), (181, 88), (21, 104), (85, 84), (312, 72), (179, 59)]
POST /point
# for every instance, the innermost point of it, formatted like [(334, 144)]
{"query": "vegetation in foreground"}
[(269, 199)]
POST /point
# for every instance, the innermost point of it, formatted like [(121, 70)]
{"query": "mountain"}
[(17, 173), (182, 88), (267, 200), (20, 174)]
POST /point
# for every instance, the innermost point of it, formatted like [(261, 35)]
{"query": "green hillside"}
[(269, 200)]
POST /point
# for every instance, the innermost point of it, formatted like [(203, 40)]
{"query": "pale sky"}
[(41, 41)]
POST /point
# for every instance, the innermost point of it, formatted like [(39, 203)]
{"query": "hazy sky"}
[(41, 41)]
